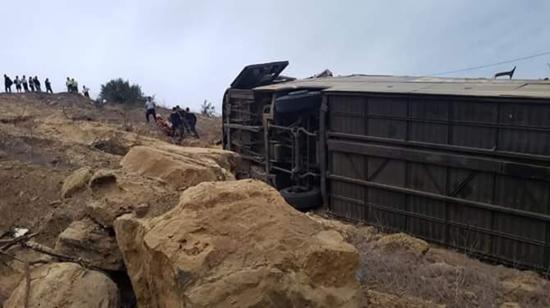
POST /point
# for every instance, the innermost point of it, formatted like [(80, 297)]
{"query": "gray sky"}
[(187, 51)]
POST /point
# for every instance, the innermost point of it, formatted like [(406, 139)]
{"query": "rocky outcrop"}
[(76, 181), (180, 167), (91, 242), (237, 244), (64, 285)]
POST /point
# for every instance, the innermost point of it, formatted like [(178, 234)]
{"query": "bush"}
[(121, 92), (208, 109)]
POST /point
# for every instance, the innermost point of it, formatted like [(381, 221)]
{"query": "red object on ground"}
[(164, 126)]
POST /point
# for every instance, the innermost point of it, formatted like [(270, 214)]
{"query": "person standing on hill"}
[(150, 109), (48, 86), (31, 83), (191, 120), (177, 125), (86, 91), (74, 85), (37, 84), (69, 85), (25, 84), (7, 83), (183, 116), (17, 82)]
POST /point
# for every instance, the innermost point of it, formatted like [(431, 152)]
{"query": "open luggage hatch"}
[(258, 75)]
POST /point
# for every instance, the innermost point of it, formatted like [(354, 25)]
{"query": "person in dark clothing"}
[(48, 86), (37, 84), (31, 83), (177, 125), (191, 120), (68, 83), (183, 116), (17, 82), (7, 83), (25, 84)]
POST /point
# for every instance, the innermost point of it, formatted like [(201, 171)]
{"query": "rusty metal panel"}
[(455, 171)]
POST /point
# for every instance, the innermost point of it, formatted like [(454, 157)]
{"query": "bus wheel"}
[(302, 198)]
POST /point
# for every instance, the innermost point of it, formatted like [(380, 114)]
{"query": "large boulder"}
[(237, 244), (91, 242), (64, 285), (180, 167)]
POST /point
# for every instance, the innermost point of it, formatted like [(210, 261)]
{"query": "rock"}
[(129, 195), (91, 242), (102, 178), (348, 231), (225, 159), (9, 278), (403, 242), (63, 285), (111, 145), (141, 210), (384, 300), (76, 181), (179, 167), (237, 244), (106, 210)]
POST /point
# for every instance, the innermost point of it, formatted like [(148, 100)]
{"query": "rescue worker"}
[(37, 84), (150, 109), (48, 86), (17, 82), (69, 85), (177, 125), (25, 84), (7, 83), (183, 116), (191, 120)]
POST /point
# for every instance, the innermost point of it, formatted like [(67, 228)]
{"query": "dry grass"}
[(445, 277)]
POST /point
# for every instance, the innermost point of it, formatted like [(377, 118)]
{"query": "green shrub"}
[(120, 91)]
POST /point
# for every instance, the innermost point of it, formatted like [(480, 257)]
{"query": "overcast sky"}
[(187, 51)]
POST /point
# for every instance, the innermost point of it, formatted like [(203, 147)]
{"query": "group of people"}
[(180, 122), (72, 87), (32, 84)]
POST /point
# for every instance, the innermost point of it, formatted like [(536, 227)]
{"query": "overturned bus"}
[(459, 162)]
